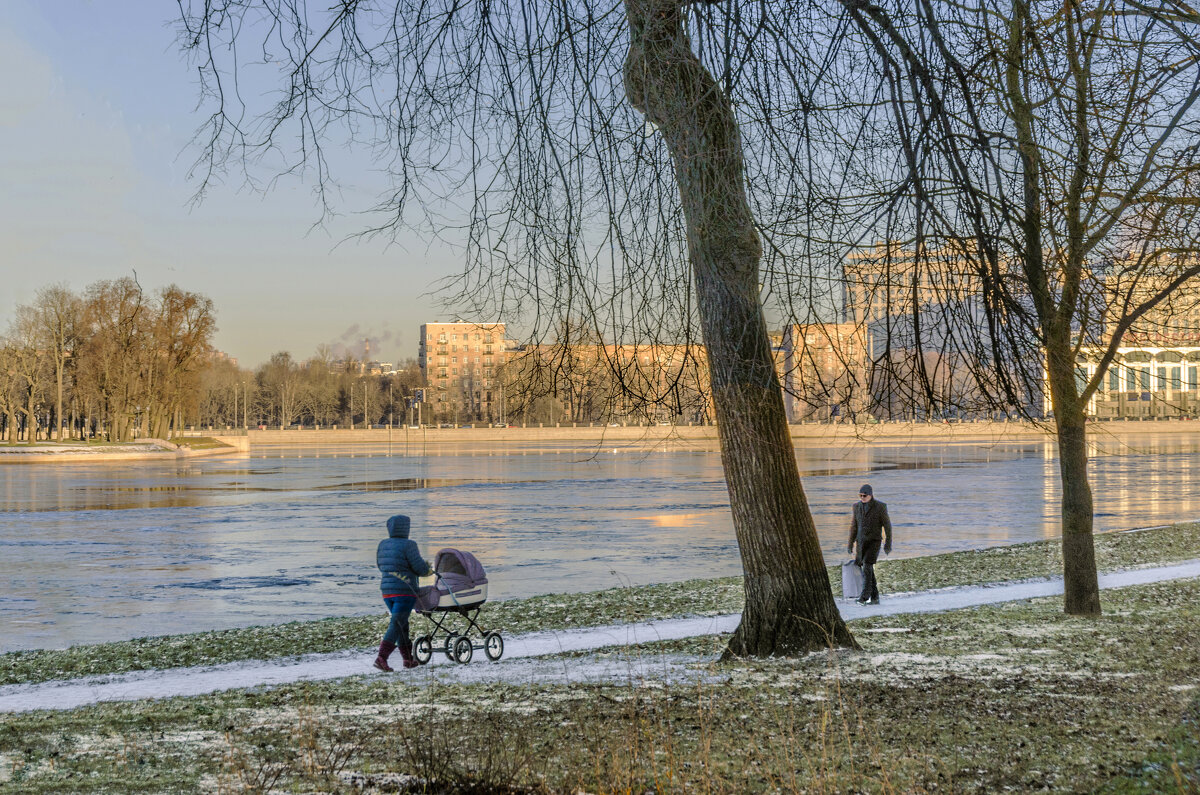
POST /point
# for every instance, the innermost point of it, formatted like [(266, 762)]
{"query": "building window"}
[(1114, 379), (454, 371)]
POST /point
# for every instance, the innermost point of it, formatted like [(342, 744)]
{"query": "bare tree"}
[(1052, 149), (10, 388), (57, 310), (524, 113), (181, 330), (114, 351), (30, 362), (281, 383)]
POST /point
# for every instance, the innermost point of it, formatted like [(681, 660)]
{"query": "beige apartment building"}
[(887, 279), (461, 364), (1156, 372), (823, 368)]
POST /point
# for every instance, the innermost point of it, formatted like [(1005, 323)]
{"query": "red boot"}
[(407, 655), (385, 650)]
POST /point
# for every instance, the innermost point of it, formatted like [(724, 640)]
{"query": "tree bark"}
[(789, 604), (1081, 587), (1080, 580)]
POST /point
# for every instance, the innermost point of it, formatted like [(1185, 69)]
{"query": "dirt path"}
[(527, 658)]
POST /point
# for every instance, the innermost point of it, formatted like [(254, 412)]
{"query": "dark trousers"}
[(868, 555), (399, 607)]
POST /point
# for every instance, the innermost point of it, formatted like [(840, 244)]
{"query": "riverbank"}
[(401, 440), (694, 436), (142, 449), (1010, 696), (704, 598)]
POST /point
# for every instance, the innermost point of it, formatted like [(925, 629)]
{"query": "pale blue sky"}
[(96, 113)]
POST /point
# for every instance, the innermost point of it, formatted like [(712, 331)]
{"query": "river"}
[(94, 552)]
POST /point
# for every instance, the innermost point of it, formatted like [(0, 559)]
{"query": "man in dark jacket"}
[(867, 527), (402, 566)]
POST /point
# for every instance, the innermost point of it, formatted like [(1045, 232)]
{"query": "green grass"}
[(1009, 697), (198, 442), (558, 611)]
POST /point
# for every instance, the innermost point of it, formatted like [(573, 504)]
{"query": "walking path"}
[(525, 655)]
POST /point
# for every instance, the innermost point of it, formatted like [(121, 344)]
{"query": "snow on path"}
[(524, 655)]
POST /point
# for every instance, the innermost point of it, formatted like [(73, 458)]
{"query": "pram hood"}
[(459, 568), (462, 582)]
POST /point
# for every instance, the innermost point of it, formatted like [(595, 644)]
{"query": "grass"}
[(557, 611), (1014, 696), (198, 442)]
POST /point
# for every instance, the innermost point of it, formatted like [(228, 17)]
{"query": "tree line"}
[(319, 391), (112, 361), (115, 362)]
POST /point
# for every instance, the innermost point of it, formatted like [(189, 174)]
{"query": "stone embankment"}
[(142, 449), (516, 438), (699, 436)]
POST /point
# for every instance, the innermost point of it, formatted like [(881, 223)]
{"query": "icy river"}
[(95, 552)]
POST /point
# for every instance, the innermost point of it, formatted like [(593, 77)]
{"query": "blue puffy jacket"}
[(400, 560)]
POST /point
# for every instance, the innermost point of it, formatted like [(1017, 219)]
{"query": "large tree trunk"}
[(1081, 585), (1080, 582), (789, 604)]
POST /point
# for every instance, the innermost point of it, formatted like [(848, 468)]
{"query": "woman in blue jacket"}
[(401, 563)]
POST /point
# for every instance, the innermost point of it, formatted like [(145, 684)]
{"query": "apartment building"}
[(1156, 372), (823, 368), (460, 362)]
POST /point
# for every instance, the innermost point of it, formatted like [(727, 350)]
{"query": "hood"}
[(398, 526)]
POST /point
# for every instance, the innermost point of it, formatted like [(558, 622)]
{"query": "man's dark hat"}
[(866, 489)]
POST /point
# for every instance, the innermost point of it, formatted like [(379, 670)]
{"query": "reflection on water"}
[(92, 553)]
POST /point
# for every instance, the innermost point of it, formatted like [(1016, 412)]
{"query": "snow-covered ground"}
[(527, 658)]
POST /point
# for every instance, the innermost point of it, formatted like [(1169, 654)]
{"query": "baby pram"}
[(461, 589)]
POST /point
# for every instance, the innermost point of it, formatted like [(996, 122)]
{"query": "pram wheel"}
[(463, 649), (448, 646), (423, 649), (493, 646)]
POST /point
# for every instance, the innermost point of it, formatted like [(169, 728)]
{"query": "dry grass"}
[(1006, 697)]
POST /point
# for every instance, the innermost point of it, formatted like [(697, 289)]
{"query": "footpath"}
[(530, 657)]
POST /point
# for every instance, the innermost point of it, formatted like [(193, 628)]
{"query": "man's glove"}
[(850, 550), (887, 549)]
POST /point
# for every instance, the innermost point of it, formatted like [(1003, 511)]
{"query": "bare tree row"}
[(317, 391), (111, 361)]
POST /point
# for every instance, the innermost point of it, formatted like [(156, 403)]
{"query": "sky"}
[(96, 118)]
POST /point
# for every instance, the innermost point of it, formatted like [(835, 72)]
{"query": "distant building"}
[(1156, 371), (889, 280), (460, 363), (823, 368)]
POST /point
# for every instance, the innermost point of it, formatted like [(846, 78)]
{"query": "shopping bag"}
[(852, 580)]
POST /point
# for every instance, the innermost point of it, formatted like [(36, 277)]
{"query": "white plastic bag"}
[(852, 580)]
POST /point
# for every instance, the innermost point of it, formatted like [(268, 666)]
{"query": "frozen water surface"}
[(93, 552)]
